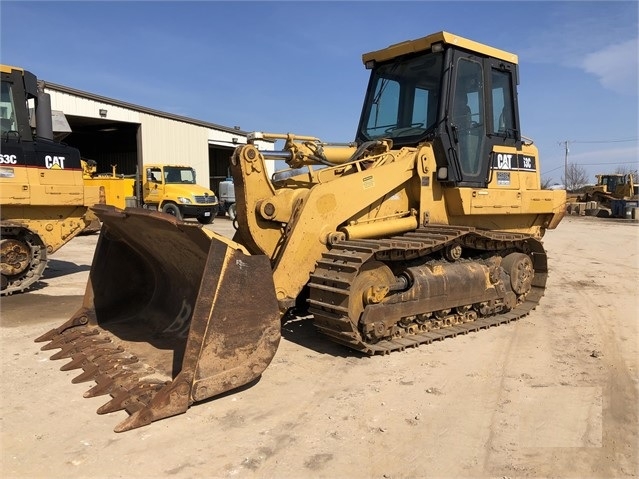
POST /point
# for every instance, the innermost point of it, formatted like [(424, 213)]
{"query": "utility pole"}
[(566, 151)]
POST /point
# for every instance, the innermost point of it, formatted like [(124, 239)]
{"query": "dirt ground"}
[(554, 394)]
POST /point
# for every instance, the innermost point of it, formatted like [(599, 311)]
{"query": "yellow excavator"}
[(427, 226)]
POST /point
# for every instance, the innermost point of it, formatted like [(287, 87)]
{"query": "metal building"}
[(112, 132)]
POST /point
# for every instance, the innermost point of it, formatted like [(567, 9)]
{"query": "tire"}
[(172, 209), (205, 220), (232, 212)]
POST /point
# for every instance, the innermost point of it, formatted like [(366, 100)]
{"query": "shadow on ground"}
[(57, 268), (31, 308), (300, 330)]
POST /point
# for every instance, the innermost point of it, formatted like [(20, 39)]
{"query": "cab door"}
[(466, 116), (482, 116), (153, 186)]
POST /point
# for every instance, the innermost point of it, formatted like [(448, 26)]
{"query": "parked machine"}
[(44, 201), (427, 226), (171, 189), (227, 198), (610, 187)]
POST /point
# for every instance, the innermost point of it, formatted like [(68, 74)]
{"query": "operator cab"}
[(24, 102), (456, 93), (18, 87)]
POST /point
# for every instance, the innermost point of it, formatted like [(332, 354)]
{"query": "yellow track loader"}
[(427, 226), (44, 203)]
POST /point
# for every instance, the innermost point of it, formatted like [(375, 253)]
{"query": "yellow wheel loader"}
[(44, 203), (427, 226)]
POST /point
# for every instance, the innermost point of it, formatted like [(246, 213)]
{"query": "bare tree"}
[(624, 170), (575, 178), (546, 184)]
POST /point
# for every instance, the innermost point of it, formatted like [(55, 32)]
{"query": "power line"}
[(554, 169), (566, 151), (611, 164), (604, 141), (595, 164)]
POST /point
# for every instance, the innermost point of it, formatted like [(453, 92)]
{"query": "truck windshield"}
[(403, 98), (175, 174)]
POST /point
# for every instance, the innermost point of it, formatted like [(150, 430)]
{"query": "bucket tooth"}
[(173, 398), (108, 383), (83, 360), (106, 366), (67, 337), (77, 324), (132, 400), (71, 349), (88, 374)]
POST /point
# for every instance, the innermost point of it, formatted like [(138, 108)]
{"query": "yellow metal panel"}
[(8, 68), (116, 190), (14, 185), (542, 201), (56, 224), (46, 176), (487, 201), (425, 43), (472, 201)]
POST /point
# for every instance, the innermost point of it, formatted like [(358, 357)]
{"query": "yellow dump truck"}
[(171, 189), (44, 201), (429, 225)]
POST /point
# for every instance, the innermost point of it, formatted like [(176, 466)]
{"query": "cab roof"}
[(425, 43), (8, 68)]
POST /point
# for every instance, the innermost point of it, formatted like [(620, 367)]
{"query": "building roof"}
[(142, 109)]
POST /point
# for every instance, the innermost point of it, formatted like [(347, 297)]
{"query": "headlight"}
[(184, 200)]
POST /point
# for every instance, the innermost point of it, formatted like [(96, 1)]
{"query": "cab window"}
[(154, 175), (7, 109), (503, 121)]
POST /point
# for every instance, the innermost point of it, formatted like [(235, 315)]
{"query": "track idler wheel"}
[(16, 257), (519, 267)]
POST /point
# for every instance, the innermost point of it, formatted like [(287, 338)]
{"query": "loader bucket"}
[(172, 314)]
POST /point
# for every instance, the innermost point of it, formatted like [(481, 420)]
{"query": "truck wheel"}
[(172, 209), (205, 220), (232, 212)]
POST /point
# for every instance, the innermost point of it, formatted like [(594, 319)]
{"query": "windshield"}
[(174, 174), (403, 98)]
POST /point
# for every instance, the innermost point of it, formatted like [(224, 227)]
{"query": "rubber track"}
[(338, 268)]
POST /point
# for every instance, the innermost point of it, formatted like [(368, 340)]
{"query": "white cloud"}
[(599, 38), (616, 66), (604, 160)]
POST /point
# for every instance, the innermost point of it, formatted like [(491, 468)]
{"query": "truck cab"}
[(173, 190)]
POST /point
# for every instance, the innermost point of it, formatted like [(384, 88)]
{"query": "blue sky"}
[(296, 66)]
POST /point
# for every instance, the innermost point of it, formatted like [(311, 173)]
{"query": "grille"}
[(205, 199)]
